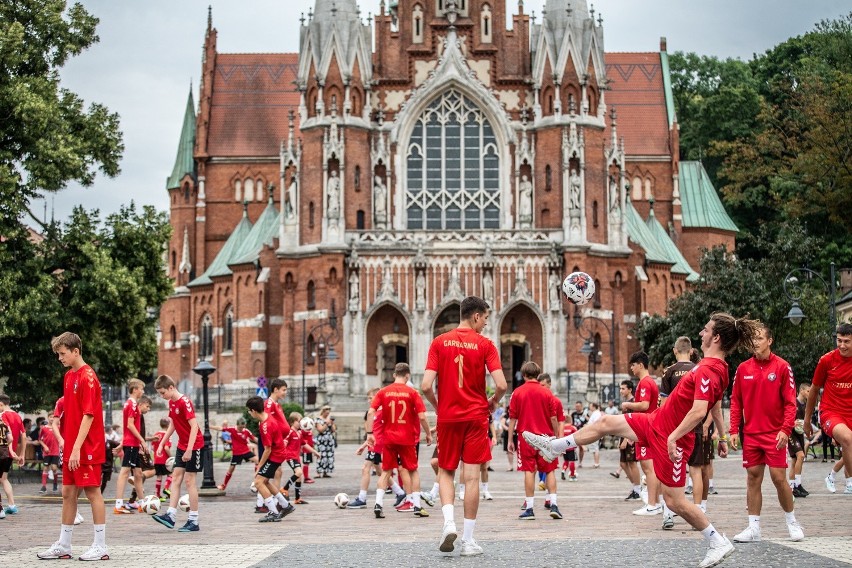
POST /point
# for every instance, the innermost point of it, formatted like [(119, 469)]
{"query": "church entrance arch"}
[(447, 320), (521, 336), (387, 342)]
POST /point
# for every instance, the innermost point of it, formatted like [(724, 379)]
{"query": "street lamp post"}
[(325, 348), (205, 369), (589, 348), (794, 293)]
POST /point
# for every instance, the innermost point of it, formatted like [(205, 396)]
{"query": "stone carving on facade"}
[(525, 202), (354, 292), (387, 291), (615, 216), (554, 286), (289, 199), (420, 288), (574, 183), (380, 203), (488, 287), (521, 290), (454, 291)]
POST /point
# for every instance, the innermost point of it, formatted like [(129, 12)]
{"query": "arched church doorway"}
[(447, 320), (521, 335), (387, 342)]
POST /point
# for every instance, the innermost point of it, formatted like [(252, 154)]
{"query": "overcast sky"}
[(150, 52)]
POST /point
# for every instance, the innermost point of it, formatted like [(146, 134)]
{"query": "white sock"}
[(711, 483), (415, 499), (282, 500), (831, 476), (119, 503), (666, 510), (469, 524), (712, 536), (637, 488), (792, 483), (436, 489), (552, 498), (362, 495), (270, 503), (754, 521), (461, 488), (798, 480), (530, 502), (259, 499), (689, 482), (380, 497), (100, 535), (397, 490), (193, 516), (703, 505), (483, 487), (560, 445), (65, 532), (790, 517), (172, 512), (448, 512)]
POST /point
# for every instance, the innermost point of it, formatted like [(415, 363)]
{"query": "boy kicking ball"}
[(271, 459)]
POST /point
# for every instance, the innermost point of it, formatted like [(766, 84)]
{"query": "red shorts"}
[(86, 475), (759, 449), (670, 474), (404, 455), (643, 452), (463, 441), (830, 419), (529, 459)]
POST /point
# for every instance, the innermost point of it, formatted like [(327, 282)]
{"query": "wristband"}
[(723, 439), (368, 433)]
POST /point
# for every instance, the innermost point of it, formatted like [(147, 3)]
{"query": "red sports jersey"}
[(401, 405), (647, 390), (569, 428), (293, 441), (271, 436), (240, 440), (46, 435), (160, 458), (834, 375), (82, 394), (379, 431), (130, 414), (763, 400), (532, 406), (307, 437), (181, 412), (273, 409), (558, 408), (59, 411), (460, 357), (706, 381)]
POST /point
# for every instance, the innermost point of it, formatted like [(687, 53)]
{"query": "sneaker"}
[(388, 491), (190, 526), (563, 476), (797, 491), (121, 511), (96, 552), (166, 520), (285, 492), (829, 484), (527, 514), (220, 487), (427, 498), (633, 496), (487, 495), (270, 517), (310, 480), (541, 485), (547, 505), (399, 500), (554, 512), (377, 510), (78, 519), (167, 493), (751, 534), (688, 490), (406, 507), (470, 548), (615, 474), (286, 511), (42, 491), (448, 537), (11, 510), (804, 491), (649, 511), (356, 504), (712, 491), (55, 552), (2, 513), (717, 553), (420, 512), (572, 478), (848, 491), (300, 501), (261, 509), (542, 444), (668, 522), (796, 531)]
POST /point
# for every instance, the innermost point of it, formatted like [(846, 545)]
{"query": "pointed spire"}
[(184, 161), (209, 18)]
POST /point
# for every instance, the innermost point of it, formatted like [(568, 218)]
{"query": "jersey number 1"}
[(460, 360)]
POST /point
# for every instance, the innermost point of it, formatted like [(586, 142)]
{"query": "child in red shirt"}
[(160, 458), (295, 445), (569, 459)]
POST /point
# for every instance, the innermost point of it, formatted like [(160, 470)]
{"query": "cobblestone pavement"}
[(598, 526)]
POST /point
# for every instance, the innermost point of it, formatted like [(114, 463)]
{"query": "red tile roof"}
[(639, 98), (252, 94)]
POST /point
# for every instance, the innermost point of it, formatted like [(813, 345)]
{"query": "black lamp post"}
[(795, 293), (205, 369), (582, 325), (324, 348)]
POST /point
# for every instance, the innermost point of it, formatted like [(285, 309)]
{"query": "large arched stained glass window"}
[(453, 170)]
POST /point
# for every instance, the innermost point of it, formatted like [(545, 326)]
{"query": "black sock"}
[(298, 489)]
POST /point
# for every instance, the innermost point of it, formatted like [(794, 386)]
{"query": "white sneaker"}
[(542, 444), (55, 552), (2, 512), (829, 484), (448, 537), (470, 548), (751, 534), (717, 553), (96, 552), (78, 519), (848, 490), (649, 511), (487, 496), (796, 531)]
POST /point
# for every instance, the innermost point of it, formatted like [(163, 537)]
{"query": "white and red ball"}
[(151, 505), (341, 500), (579, 288)]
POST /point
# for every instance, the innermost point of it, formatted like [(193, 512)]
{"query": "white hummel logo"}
[(676, 477), (705, 381), (704, 389)]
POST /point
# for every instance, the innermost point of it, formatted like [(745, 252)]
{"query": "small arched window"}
[(228, 332), (357, 181), (548, 178), (360, 220), (259, 189), (597, 300), (206, 337), (173, 337), (186, 193), (248, 188), (417, 24), (310, 350), (648, 192), (485, 23), (312, 295), (238, 190), (594, 214), (636, 190), (311, 209), (174, 261)]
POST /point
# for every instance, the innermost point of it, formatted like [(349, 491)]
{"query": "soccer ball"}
[(341, 500), (253, 488), (170, 464), (307, 423), (579, 288), (183, 504), (151, 505)]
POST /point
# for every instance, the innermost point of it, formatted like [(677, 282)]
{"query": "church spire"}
[(184, 161)]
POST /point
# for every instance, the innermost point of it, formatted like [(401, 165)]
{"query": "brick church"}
[(332, 207)]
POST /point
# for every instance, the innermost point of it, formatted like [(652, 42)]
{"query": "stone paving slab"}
[(209, 556), (839, 549)]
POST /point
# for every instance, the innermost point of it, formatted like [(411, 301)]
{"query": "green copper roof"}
[(661, 236), (639, 233), (184, 162), (219, 266), (263, 232), (700, 202), (667, 87)]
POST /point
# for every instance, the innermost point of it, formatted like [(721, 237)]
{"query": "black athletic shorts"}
[(268, 469), (161, 469), (294, 465), (194, 464), (702, 451), (51, 460), (628, 454), (795, 444), (237, 460), (131, 457), (308, 458), (5, 465), (374, 457)]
